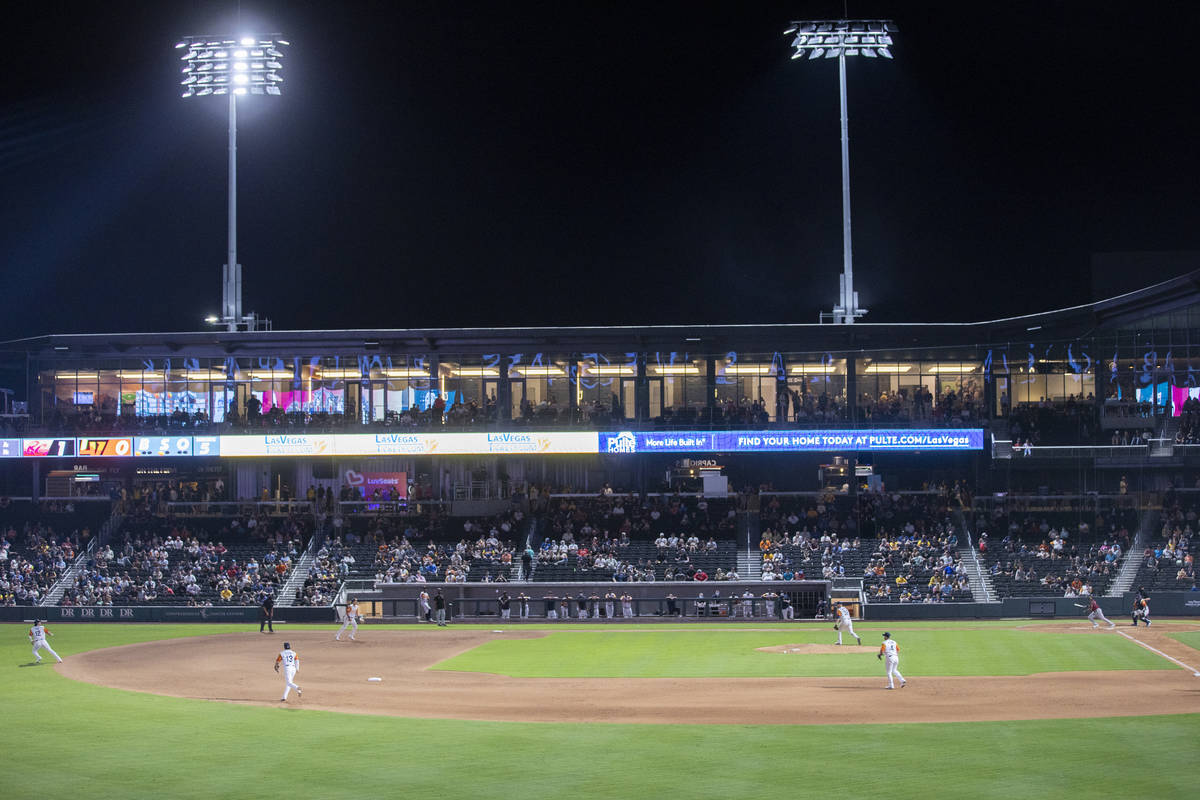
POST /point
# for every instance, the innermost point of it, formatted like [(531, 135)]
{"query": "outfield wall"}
[(247, 614), (1163, 604)]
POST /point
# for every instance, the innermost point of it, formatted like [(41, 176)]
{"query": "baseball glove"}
[(277, 668), (879, 656)]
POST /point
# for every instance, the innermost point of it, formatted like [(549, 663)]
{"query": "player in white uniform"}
[(844, 622), (890, 651), (291, 665), (352, 619), (37, 638)]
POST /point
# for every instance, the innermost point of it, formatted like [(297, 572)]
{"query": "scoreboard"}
[(105, 447), (32, 448), (163, 446)]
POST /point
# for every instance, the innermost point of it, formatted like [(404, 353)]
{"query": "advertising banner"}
[(282, 444), (791, 441), (497, 442), (10, 448), (34, 448), (392, 485)]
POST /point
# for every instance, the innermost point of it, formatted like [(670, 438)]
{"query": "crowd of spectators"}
[(631, 539), (918, 404), (32, 560), (1169, 562), (902, 545), (1072, 554), (1189, 422), (163, 561), (484, 552)]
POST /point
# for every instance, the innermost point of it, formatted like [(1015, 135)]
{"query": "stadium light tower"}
[(237, 67), (839, 39)]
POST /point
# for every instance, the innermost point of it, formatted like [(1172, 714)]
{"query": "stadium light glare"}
[(209, 62), (842, 39)]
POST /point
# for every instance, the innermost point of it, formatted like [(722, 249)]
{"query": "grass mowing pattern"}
[(1190, 638), (63, 737), (733, 654)]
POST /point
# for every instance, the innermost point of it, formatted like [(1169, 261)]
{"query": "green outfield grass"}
[(64, 738), (1190, 638), (649, 653)]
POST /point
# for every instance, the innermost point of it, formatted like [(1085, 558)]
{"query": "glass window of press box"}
[(605, 387), (1043, 382), (920, 392), (540, 387), (755, 388)]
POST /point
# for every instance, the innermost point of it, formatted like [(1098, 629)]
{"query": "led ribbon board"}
[(792, 441), (501, 443)]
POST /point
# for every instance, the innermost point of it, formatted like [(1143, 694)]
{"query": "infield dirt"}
[(237, 668)]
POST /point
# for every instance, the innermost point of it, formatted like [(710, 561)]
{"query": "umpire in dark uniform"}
[(266, 613)]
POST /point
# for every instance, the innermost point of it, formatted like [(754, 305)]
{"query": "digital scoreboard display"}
[(10, 448), (105, 447), (161, 446), (33, 448)]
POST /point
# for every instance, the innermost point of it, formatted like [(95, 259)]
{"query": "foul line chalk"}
[(1160, 652)]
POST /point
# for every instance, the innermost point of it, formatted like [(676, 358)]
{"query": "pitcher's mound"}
[(817, 649)]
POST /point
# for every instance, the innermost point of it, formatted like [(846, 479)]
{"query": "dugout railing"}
[(657, 600)]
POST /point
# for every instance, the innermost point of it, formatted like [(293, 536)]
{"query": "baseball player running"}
[(352, 619), (844, 622), (291, 665), (890, 651), (37, 638), (1095, 613)]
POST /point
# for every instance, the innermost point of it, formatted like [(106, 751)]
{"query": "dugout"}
[(651, 601)]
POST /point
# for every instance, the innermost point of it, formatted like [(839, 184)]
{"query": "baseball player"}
[(291, 665), (610, 601), (266, 615), (626, 605), (352, 619), (37, 638), (1141, 607), (424, 607), (786, 610), (505, 606), (844, 622), (891, 651), (1094, 613), (524, 599)]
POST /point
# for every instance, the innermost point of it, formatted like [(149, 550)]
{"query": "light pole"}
[(249, 65), (839, 39)]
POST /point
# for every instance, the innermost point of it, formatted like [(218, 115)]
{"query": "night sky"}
[(463, 164)]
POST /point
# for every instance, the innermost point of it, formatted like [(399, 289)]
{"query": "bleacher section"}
[(910, 555), (622, 539), (190, 561), (1168, 561), (1054, 548), (411, 548), (38, 544)]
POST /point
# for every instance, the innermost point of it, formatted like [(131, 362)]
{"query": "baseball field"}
[(992, 709)]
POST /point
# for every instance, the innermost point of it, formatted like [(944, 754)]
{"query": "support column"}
[(642, 391)]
